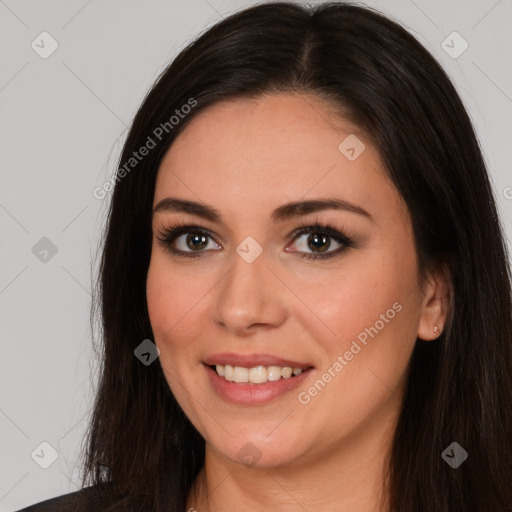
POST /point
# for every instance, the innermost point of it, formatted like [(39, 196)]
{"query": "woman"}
[(304, 286)]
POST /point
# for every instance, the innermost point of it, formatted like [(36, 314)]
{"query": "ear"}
[(436, 303)]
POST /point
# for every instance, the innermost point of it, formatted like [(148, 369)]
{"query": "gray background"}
[(63, 120)]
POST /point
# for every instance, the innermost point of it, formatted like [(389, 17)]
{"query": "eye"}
[(324, 241), (195, 241), (309, 241), (189, 241)]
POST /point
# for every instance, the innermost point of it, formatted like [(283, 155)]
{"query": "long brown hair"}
[(459, 387)]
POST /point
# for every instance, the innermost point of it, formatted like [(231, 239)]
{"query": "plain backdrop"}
[(63, 118)]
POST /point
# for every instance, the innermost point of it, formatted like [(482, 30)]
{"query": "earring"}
[(436, 330)]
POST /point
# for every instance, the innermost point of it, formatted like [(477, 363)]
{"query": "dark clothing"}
[(90, 499)]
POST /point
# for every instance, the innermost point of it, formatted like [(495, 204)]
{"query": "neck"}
[(350, 475)]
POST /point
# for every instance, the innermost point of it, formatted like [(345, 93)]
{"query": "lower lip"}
[(252, 394)]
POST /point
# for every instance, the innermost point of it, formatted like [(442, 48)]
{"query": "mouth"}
[(253, 379), (257, 374)]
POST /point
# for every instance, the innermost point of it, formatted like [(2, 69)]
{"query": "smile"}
[(254, 379), (257, 374)]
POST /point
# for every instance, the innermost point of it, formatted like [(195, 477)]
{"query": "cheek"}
[(374, 319), (178, 307), (173, 295), (174, 301), (369, 310), (168, 299), (353, 297)]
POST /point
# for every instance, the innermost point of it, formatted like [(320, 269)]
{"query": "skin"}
[(246, 158)]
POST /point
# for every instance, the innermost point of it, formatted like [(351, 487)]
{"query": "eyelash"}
[(168, 235)]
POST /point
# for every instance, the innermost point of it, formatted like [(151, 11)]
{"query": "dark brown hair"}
[(459, 387)]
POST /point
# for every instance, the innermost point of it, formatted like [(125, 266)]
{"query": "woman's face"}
[(250, 174)]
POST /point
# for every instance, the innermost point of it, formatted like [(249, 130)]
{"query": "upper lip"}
[(252, 360)]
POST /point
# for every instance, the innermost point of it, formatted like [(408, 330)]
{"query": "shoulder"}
[(89, 499)]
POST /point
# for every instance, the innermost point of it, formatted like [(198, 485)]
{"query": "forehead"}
[(270, 150)]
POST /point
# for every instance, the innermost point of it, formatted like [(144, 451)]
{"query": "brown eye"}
[(318, 243), (196, 241), (189, 241)]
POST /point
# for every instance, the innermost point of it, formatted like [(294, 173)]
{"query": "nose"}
[(250, 298)]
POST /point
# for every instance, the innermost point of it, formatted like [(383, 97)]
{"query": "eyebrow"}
[(284, 212)]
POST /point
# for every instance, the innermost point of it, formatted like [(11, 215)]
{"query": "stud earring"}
[(436, 330)]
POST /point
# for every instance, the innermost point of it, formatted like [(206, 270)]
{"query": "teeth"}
[(274, 373), (240, 374), (286, 372), (228, 373), (257, 374)]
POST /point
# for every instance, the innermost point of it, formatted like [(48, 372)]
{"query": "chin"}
[(256, 448)]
